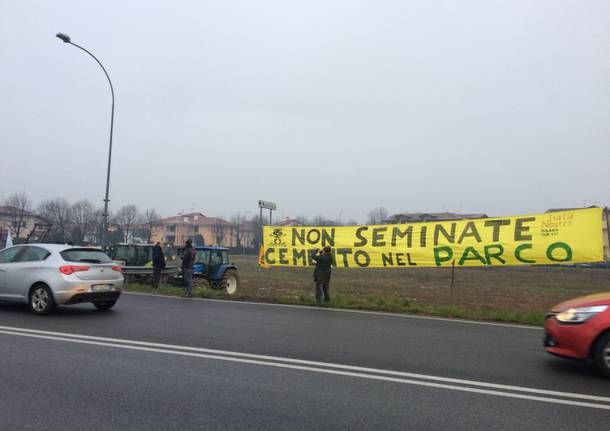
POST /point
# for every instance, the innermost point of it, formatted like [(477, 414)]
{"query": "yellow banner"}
[(566, 237)]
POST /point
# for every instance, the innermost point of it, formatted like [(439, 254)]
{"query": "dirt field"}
[(521, 294)]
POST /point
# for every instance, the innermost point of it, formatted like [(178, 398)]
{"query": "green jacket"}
[(323, 267)]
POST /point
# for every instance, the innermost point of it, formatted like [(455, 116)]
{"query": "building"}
[(289, 222), (19, 222), (605, 226), (428, 217), (201, 229)]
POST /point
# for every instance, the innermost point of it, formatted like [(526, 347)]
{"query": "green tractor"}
[(136, 261)]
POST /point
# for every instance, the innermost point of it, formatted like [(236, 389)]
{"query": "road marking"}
[(325, 367), (342, 310)]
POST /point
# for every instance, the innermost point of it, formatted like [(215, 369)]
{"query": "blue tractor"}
[(213, 269)]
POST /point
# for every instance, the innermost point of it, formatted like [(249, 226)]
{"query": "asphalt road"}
[(169, 363)]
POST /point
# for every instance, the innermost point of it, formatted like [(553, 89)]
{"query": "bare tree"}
[(58, 212), (302, 220), (150, 219), (252, 231), (19, 206), (127, 217), (219, 230), (85, 219), (320, 220), (239, 228), (377, 216)]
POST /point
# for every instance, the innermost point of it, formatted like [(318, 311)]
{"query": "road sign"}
[(268, 205)]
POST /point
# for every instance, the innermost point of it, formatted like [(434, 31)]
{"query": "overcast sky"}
[(325, 107)]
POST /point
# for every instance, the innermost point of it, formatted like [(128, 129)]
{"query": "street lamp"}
[(66, 39)]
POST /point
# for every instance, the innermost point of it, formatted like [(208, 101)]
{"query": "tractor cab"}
[(131, 254), (210, 260)]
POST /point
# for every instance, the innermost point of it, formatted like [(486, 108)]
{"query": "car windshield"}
[(89, 255)]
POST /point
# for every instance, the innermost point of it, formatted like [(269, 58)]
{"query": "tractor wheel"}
[(230, 281), (200, 283)]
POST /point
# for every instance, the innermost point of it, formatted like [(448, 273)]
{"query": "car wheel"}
[(41, 300), (230, 281), (104, 305), (601, 355)]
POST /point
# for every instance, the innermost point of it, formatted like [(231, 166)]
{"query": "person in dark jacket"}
[(188, 259), (321, 275), (158, 260)]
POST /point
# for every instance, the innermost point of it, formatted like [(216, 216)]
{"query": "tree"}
[(239, 229), (302, 220), (320, 220), (218, 230), (126, 217), (19, 206), (377, 216), (58, 212), (150, 219), (85, 220)]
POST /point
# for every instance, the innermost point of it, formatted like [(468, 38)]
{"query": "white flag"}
[(9, 239)]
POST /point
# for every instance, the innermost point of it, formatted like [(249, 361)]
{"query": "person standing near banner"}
[(321, 275)]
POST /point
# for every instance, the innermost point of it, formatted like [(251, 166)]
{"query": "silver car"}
[(48, 275)]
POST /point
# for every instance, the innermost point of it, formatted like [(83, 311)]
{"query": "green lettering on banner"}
[(439, 258), (559, 245), (518, 251), (475, 256), (489, 254)]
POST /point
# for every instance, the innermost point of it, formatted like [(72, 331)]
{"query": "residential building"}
[(196, 226), (19, 222)]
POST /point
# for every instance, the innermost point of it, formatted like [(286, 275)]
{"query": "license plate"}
[(101, 287)]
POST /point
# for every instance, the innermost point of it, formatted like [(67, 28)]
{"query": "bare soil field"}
[(477, 292)]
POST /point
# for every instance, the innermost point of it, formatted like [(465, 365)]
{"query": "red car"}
[(580, 329)]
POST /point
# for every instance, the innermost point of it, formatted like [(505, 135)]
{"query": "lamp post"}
[(66, 39)]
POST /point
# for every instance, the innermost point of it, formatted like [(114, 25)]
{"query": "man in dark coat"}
[(188, 259), (158, 260), (321, 275)]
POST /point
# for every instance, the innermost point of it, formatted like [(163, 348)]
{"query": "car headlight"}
[(580, 314)]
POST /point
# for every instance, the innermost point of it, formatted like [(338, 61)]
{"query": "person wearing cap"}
[(321, 275), (188, 259)]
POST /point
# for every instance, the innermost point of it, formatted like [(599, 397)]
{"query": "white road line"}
[(332, 368), (343, 310)]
